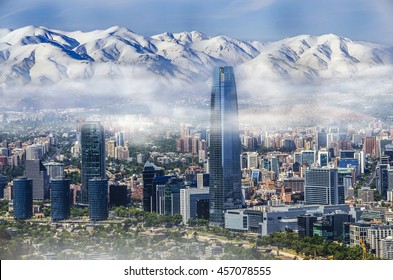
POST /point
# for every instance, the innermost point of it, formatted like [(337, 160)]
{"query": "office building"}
[(34, 152), (370, 146), (23, 198), (110, 149), (93, 155), (322, 140), (383, 179), (60, 199), (150, 170), (323, 158), (118, 195), (98, 199), (189, 199), (159, 185), (331, 226), (172, 196), (54, 170), (35, 170), (224, 161), (321, 186), (308, 157), (305, 225), (3, 184), (202, 180), (382, 146), (252, 160)]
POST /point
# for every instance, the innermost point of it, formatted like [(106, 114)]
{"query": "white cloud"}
[(240, 7)]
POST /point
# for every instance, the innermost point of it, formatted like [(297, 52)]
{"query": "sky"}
[(263, 20)]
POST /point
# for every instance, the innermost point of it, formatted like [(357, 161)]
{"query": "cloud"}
[(241, 7), (7, 15)]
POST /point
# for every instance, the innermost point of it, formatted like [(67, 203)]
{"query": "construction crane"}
[(364, 248)]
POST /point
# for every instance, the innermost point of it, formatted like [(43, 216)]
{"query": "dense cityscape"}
[(82, 184)]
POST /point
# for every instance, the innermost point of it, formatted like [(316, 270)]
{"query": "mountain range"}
[(42, 56)]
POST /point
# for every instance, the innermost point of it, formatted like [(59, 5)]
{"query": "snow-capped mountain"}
[(38, 55)]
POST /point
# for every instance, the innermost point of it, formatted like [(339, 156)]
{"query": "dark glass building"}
[(23, 198), (322, 139), (305, 225), (35, 170), (118, 196), (224, 161), (98, 199), (3, 184), (93, 155), (60, 199), (149, 189)]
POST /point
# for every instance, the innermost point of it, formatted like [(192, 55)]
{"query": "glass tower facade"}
[(3, 184), (23, 198), (98, 199), (60, 199), (224, 161), (93, 155), (321, 186)]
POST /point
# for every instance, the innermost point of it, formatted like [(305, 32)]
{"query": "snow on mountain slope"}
[(305, 58), (39, 55)]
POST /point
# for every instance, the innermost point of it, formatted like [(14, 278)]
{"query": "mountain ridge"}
[(40, 55)]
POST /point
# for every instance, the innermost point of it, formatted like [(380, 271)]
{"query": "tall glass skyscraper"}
[(224, 161), (98, 199), (60, 199), (23, 198), (93, 155)]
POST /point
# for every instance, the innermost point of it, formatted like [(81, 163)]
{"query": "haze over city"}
[(243, 130)]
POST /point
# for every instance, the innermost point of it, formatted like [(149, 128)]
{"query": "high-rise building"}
[(98, 199), (23, 198), (224, 161), (54, 170), (34, 152), (382, 146), (189, 199), (93, 155), (252, 160), (321, 186), (322, 140), (149, 190), (35, 170), (323, 157), (308, 157), (202, 180), (120, 138), (110, 149), (370, 146), (118, 195), (60, 199), (383, 179), (3, 184)]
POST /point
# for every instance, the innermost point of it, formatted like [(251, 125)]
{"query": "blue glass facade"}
[(98, 199), (3, 184), (152, 176), (345, 162), (60, 199), (23, 198), (224, 161), (93, 155)]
